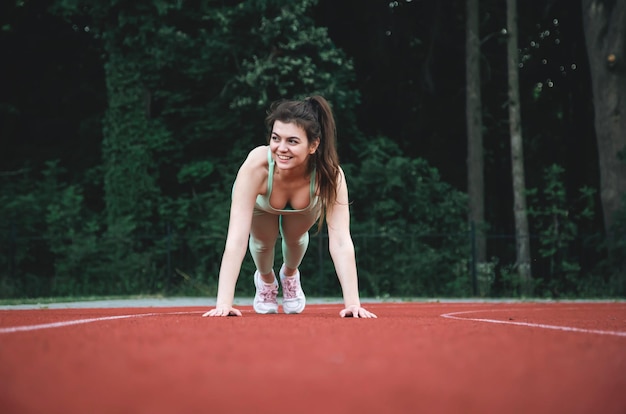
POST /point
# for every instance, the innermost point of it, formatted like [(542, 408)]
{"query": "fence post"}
[(473, 258), (168, 229), (12, 252)]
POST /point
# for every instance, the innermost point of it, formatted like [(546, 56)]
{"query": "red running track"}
[(416, 357)]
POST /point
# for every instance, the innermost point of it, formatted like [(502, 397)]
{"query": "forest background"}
[(123, 124)]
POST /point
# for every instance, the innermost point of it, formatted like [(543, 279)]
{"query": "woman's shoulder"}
[(257, 157), (252, 175), (259, 153)]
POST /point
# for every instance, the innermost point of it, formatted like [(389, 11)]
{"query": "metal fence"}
[(389, 264)]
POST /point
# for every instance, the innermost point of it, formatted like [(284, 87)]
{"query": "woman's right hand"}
[(223, 310)]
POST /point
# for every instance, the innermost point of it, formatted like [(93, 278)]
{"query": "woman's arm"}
[(247, 186), (342, 251)]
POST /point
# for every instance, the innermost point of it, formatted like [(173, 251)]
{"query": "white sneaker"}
[(265, 297), (294, 300)]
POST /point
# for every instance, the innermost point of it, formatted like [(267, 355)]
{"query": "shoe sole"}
[(268, 312), (296, 311), (293, 313)]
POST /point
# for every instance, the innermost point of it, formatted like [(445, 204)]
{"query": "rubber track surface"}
[(416, 357)]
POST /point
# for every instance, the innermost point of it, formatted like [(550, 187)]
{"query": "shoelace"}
[(269, 293), (290, 288)]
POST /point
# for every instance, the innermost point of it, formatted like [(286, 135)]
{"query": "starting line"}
[(13, 329)]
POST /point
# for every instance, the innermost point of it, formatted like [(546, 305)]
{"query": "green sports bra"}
[(263, 201)]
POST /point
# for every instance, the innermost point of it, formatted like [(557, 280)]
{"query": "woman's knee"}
[(262, 245), (296, 241)]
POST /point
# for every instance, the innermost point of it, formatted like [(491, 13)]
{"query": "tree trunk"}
[(604, 23), (475, 166), (522, 240)]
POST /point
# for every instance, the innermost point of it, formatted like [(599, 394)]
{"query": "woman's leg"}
[(294, 230), (263, 235)]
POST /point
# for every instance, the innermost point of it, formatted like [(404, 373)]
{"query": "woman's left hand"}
[(355, 311)]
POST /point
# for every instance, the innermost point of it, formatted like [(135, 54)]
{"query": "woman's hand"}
[(223, 311), (355, 311)]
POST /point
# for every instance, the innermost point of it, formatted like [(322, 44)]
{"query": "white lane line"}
[(62, 324), (453, 315)]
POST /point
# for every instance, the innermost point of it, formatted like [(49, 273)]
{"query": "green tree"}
[(410, 227), (557, 218), (187, 89)]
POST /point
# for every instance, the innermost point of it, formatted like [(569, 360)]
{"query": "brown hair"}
[(315, 116)]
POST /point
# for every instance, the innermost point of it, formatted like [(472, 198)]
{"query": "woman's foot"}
[(294, 300), (265, 297)]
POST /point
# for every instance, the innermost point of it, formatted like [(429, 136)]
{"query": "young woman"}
[(286, 187)]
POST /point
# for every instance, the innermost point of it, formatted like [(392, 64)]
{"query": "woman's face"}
[(290, 146)]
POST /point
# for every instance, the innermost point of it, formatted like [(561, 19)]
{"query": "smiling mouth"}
[(283, 157)]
